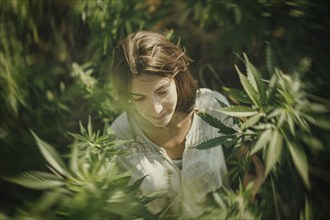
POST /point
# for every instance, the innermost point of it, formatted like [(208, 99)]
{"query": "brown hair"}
[(151, 53)]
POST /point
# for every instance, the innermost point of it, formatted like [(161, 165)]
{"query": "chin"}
[(161, 124)]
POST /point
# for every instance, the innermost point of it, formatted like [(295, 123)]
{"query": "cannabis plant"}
[(277, 118), (89, 187)]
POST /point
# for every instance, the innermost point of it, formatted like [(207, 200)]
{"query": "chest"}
[(173, 142), (172, 138)]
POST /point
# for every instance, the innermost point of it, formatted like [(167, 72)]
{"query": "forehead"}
[(144, 83)]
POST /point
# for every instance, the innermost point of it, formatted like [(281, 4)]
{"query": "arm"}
[(258, 174), (257, 178)]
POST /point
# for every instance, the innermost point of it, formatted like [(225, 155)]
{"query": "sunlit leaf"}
[(313, 143), (251, 121), (250, 75), (221, 203), (321, 121), (52, 157), (36, 180), (47, 200), (272, 87), (214, 142), (306, 213), (282, 117), (262, 141), (302, 122), (249, 89), (78, 137), (82, 129), (90, 127), (216, 123), (276, 112), (300, 161), (303, 66), (290, 121), (239, 95), (274, 151), (238, 111), (317, 108), (74, 163)]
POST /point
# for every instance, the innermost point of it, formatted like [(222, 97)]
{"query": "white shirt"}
[(202, 171)]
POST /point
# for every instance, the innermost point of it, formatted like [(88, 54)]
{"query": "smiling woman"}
[(160, 99), (154, 98)]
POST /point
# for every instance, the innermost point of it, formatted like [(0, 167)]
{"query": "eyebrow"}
[(160, 88)]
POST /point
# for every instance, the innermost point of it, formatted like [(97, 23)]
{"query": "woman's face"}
[(154, 98)]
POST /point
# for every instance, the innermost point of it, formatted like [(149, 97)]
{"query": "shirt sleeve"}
[(122, 128), (214, 103)]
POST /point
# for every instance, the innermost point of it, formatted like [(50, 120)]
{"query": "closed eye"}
[(137, 98), (162, 92)]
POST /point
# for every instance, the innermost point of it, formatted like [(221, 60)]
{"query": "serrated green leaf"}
[(51, 155), (82, 129), (74, 163), (78, 136), (276, 112), (250, 74), (291, 124), (251, 121), (239, 95), (216, 123), (301, 121), (214, 142), (274, 151), (255, 78), (300, 161), (281, 118), (263, 140), (238, 111), (137, 183), (222, 104), (249, 89), (272, 87), (263, 126), (36, 180)]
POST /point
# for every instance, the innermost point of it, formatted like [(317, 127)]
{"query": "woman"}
[(160, 97)]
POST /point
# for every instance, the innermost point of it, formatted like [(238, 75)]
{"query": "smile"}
[(162, 116)]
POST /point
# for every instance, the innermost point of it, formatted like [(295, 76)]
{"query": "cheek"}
[(172, 100), (140, 108)]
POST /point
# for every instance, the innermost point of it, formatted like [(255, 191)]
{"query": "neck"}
[(179, 121)]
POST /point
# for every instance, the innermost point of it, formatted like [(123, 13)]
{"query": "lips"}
[(162, 116)]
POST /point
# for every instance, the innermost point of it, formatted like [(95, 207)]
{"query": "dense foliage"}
[(277, 119), (54, 62), (91, 187)]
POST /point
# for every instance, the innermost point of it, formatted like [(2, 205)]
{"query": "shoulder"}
[(122, 127), (207, 100), (210, 101)]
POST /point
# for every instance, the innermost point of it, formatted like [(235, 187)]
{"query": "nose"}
[(155, 107)]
